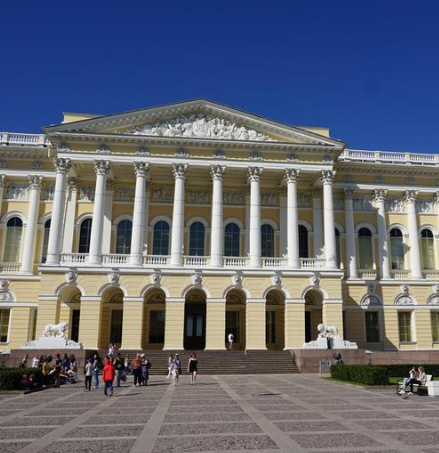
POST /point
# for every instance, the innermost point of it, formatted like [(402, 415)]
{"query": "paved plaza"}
[(277, 413)]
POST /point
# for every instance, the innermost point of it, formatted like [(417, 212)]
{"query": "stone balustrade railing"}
[(386, 156), (196, 260), (312, 263), (235, 261), (274, 262), (73, 258), (156, 260), (115, 258), (11, 138), (400, 274), (10, 268), (367, 274), (431, 274)]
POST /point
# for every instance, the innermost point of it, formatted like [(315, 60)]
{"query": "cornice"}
[(380, 168)]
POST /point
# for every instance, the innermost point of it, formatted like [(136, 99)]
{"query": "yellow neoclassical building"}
[(170, 227)]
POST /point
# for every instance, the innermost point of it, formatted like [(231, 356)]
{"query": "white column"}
[(247, 222), (138, 233), (217, 231), (328, 219), (102, 167), (254, 177), (317, 221), (27, 263), (415, 251), (383, 246), (350, 233), (62, 168), (283, 221), (291, 176), (178, 215), (108, 218), (70, 217)]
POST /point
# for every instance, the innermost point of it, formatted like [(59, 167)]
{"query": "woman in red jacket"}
[(108, 376)]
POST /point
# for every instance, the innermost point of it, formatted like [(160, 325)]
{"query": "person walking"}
[(170, 360), (137, 370), (96, 365), (111, 350), (192, 367), (119, 367), (108, 376), (230, 339), (174, 369), (146, 365), (58, 370), (88, 373), (178, 368)]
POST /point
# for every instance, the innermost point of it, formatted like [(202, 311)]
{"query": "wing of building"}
[(171, 227)]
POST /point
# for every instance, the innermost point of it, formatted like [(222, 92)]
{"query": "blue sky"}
[(369, 70)]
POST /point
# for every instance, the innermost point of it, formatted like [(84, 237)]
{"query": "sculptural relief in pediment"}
[(199, 126)]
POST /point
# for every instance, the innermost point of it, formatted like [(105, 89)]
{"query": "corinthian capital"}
[(254, 173), (217, 171), (411, 196), (327, 176), (35, 182), (73, 183), (348, 193), (63, 165), (102, 167), (179, 170), (141, 169), (380, 194), (291, 174)]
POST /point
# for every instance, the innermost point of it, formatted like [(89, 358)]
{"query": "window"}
[(372, 322), (160, 241), (267, 241), (338, 247), (427, 246), (4, 325), (46, 233), (435, 325), (365, 245), (396, 249), (14, 231), (84, 236), (196, 239), (157, 326), (116, 326), (270, 327), (232, 240), (405, 326), (123, 237), (303, 242), (232, 325)]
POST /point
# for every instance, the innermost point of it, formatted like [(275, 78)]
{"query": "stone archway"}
[(195, 320), (275, 320), (154, 316), (70, 311), (112, 317), (235, 317), (313, 314)]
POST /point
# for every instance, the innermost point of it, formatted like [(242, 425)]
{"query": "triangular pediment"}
[(197, 119)]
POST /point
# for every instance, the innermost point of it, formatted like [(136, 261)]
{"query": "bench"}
[(419, 387)]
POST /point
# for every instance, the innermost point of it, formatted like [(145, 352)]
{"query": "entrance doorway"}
[(74, 330), (313, 314), (195, 321)]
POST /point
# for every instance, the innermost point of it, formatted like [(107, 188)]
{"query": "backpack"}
[(136, 364)]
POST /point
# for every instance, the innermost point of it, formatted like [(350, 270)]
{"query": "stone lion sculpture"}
[(327, 331), (56, 330)]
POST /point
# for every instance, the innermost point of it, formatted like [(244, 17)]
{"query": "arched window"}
[(267, 240), (303, 242), (84, 236), (46, 233), (160, 241), (196, 239), (338, 247), (427, 245), (123, 237), (397, 249), (14, 232), (232, 240), (365, 249)]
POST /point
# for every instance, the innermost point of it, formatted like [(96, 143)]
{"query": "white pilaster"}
[(247, 222), (217, 234), (383, 246), (254, 177), (139, 218), (317, 221), (350, 233), (2, 186), (35, 184), (108, 216), (291, 176), (102, 167), (283, 221), (178, 215), (327, 178), (415, 251), (62, 168), (69, 224)]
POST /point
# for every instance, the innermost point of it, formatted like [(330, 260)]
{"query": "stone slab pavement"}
[(268, 413)]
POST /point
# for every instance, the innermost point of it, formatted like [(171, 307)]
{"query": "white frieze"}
[(48, 192), (162, 195), (194, 196), (363, 204), (338, 203), (269, 198), (124, 193), (18, 192), (394, 205), (86, 193), (304, 200), (233, 197), (425, 206)]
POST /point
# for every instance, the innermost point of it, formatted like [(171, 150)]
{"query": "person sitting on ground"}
[(23, 363), (33, 382), (420, 380), (35, 362), (25, 382), (46, 369), (413, 374)]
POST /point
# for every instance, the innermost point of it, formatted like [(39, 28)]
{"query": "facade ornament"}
[(314, 280), (3, 164), (291, 175), (17, 192), (435, 288), (380, 194), (71, 277), (113, 278), (37, 165), (5, 293), (292, 158), (404, 299), (269, 198), (200, 126), (73, 184), (162, 195), (102, 167), (410, 181), (197, 279), (179, 170), (394, 205), (405, 289), (327, 159), (236, 280), (35, 182), (434, 298), (283, 191), (254, 173), (64, 148), (48, 192), (63, 165), (276, 280), (425, 206), (304, 200), (156, 278), (256, 155), (348, 179), (233, 197), (379, 179), (103, 149), (370, 300), (141, 169), (2, 181), (194, 196), (348, 193), (109, 185), (327, 176), (86, 193), (181, 152), (219, 154), (142, 151), (411, 196), (316, 192), (217, 171), (124, 193)]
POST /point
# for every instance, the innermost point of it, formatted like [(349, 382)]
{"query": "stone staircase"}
[(225, 362)]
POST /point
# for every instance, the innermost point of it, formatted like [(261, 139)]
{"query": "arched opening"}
[(70, 311), (275, 320), (235, 317), (112, 317), (154, 315), (195, 320), (427, 247), (397, 249), (267, 241), (196, 239), (85, 236), (313, 314), (14, 233), (303, 242)]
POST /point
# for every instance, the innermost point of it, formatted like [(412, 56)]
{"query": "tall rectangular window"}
[(4, 325), (372, 322), (435, 325), (405, 326), (156, 326), (116, 326)]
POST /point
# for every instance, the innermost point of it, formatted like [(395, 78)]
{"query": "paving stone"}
[(334, 440), (415, 438), (37, 421), (310, 426), (11, 447), (124, 419), (298, 415), (199, 409), (64, 411), (426, 413), (104, 431), (213, 443), (202, 402), (209, 428), (359, 415), (392, 425), (220, 416), (19, 433), (91, 446), (279, 408)]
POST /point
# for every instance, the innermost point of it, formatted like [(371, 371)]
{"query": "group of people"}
[(417, 376), (174, 368)]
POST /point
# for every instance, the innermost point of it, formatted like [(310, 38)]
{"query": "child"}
[(88, 374), (108, 376)]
